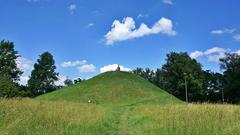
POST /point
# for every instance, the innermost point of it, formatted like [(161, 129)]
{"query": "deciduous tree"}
[(43, 76), (230, 64), (8, 57)]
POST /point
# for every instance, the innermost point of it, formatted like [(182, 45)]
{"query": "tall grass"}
[(35, 117), (30, 117), (189, 119)]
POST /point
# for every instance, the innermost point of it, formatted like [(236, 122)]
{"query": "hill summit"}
[(111, 88)]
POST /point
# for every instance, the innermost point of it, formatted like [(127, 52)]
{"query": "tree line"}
[(42, 79), (179, 71)]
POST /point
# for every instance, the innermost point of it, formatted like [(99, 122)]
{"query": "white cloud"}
[(67, 64), (23, 80), (238, 52), (24, 64), (215, 50), (72, 8), (113, 67), (213, 54), (90, 25), (127, 30), (196, 54), (222, 31), (169, 2), (86, 68), (236, 37), (61, 80), (142, 16)]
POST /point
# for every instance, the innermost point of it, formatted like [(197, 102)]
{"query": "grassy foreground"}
[(36, 117)]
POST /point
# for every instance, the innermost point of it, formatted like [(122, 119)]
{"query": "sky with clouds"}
[(92, 37)]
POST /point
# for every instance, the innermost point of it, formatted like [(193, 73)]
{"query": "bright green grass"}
[(36, 117), (124, 104), (189, 119), (113, 88)]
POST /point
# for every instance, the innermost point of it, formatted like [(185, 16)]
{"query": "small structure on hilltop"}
[(118, 68)]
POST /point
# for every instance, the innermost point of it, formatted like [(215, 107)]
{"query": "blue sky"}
[(87, 37)]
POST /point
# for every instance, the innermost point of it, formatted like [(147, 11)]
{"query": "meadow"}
[(121, 104), (37, 117)]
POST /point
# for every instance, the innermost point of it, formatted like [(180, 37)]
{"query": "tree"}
[(231, 66), (7, 88), (138, 71), (78, 80), (43, 75), (68, 82), (213, 87), (158, 79), (177, 67), (146, 73), (8, 65)]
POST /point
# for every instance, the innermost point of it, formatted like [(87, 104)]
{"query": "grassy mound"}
[(112, 88)]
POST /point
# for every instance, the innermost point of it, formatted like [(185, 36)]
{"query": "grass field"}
[(122, 104), (36, 117)]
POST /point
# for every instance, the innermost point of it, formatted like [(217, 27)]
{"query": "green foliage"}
[(43, 75), (68, 82), (78, 80), (111, 88), (231, 66), (171, 76), (158, 79), (7, 88), (213, 87), (8, 57), (146, 73), (177, 67)]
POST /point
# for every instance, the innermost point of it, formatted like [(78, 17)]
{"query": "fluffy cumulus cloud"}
[(26, 66), (127, 30), (86, 68), (213, 54), (113, 67), (61, 80), (72, 8), (81, 65), (196, 54), (222, 31), (67, 64), (236, 37), (168, 2)]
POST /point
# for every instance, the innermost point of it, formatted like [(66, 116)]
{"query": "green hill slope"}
[(112, 88)]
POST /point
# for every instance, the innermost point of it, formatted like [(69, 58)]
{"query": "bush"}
[(8, 89)]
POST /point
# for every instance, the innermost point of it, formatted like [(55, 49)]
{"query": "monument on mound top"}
[(118, 68)]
